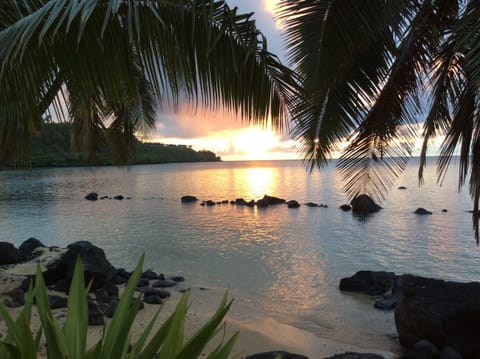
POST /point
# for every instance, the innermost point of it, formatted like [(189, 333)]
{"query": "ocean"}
[(275, 262)]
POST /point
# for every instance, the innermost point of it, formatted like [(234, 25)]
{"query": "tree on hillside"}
[(105, 65), (371, 71)]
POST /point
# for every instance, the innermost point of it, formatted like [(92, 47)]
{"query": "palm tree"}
[(105, 65), (372, 71)]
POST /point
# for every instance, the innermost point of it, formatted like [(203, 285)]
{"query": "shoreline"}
[(257, 335)]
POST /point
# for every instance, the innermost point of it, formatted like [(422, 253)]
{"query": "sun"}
[(254, 143)]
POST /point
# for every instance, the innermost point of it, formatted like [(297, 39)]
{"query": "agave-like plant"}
[(105, 66), (69, 341), (372, 71)]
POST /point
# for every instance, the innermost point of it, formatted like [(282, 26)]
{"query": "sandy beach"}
[(257, 335)]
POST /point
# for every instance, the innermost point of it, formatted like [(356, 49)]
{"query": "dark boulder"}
[(10, 255), (368, 282), (422, 211), (388, 302), (16, 299), (57, 302), (118, 197), (311, 204), (96, 266), (270, 200), (177, 278), (147, 292), (363, 204), (29, 246), (449, 353), (402, 187), (63, 285), (444, 210), (350, 355), (153, 299), (189, 199), (262, 203), (164, 283), (345, 207), (240, 202), (276, 355), (149, 274), (423, 349), (92, 196), (95, 316), (209, 203), (293, 204), (444, 313)]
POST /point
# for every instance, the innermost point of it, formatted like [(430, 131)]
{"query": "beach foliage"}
[(107, 65), (70, 339), (381, 77)]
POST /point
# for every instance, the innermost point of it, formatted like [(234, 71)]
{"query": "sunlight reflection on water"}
[(282, 262)]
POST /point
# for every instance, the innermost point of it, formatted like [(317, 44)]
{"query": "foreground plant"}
[(69, 341)]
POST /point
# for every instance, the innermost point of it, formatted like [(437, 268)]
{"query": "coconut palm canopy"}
[(105, 65), (373, 71)]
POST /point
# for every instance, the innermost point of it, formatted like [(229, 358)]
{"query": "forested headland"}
[(52, 147)]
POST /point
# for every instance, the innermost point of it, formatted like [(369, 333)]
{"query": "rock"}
[(29, 246), (262, 203), (351, 355), (153, 299), (363, 204), (250, 203), (177, 278), (63, 285), (149, 274), (117, 279), (276, 355), (104, 197), (311, 204), (293, 204), (402, 187), (16, 299), (345, 207), (95, 316), (143, 282), (422, 211), (444, 210), (109, 309), (118, 197), (147, 292), (209, 203), (388, 302), (241, 202), (270, 200), (444, 313), (368, 282), (165, 283), (423, 349), (57, 302), (189, 199), (27, 282), (92, 196), (10, 255), (449, 353), (96, 266)]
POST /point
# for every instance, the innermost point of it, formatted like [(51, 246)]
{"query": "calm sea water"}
[(279, 262)]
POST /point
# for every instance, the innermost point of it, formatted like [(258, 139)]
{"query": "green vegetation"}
[(69, 341), (53, 147)]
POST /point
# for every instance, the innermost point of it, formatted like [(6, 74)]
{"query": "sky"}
[(227, 136)]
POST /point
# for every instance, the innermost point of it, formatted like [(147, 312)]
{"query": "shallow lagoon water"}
[(277, 262)]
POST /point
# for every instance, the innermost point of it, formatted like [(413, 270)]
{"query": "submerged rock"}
[(422, 211), (293, 204), (92, 196), (368, 282), (345, 207), (189, 199)]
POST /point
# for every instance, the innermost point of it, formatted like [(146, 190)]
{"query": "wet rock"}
[(293, 204), (363, 205), (345, 207), (262, 203), (165, 283), (153, 299), (368, 282), (402, 187), (271, 200), (57, 302), (444, 313), (189, 199), (276, 355), (16, 299), (63, 285), (149, 274), (147, 292), (444, 210), (143, 282), (311, 204), (118, 197), (10, 255), (95, 316), (423, 349), (92, 196), (209, 203), (177, 278), (96, 266), (29, 246), (422, 211), (388, 302)]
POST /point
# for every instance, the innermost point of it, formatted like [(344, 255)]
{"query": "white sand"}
[(259, 335)]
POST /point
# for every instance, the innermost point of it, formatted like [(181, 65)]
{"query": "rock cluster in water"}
[(104, 292), (434, 318), (264, 202), (93, 196)]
